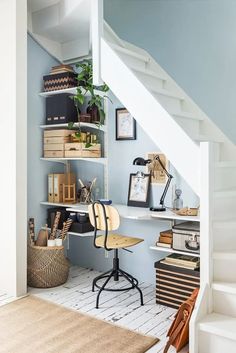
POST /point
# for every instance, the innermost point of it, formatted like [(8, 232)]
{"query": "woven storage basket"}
[(47, 266)]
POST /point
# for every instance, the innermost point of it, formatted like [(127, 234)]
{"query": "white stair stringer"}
[(152, 117)]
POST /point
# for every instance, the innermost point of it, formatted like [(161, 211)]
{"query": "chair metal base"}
[(116, 273)]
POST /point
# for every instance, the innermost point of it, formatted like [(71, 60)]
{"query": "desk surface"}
[(139, 213)]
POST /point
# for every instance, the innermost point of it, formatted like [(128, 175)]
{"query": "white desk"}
[(139, 213)]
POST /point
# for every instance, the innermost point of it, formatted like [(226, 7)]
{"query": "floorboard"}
[(121, 308)]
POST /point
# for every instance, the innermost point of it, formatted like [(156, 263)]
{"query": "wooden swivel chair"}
[(106, 218)]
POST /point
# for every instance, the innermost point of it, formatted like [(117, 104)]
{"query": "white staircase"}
[(206, 158)]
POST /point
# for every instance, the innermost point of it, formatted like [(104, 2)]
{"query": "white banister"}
[(96, 34)]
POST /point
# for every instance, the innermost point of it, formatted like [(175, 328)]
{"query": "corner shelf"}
[(71, 90), (89, 125), (101, 160), (172, 251)]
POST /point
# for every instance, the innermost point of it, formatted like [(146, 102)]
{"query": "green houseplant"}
[(96, 101), (85, 86)]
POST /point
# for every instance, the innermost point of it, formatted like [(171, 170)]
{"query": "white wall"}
[(13, 22)]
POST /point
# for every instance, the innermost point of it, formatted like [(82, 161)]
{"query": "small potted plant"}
[(85, 86)]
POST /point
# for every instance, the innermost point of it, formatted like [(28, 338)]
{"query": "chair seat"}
[(116, 241)]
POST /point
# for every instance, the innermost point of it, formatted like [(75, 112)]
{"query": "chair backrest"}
[(108, 220)]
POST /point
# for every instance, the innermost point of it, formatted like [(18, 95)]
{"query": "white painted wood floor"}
[(120, 308)]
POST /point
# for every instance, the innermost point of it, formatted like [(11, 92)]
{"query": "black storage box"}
[(51, 213), (60, 109), (174, 284), (81, 227), (56, 82)]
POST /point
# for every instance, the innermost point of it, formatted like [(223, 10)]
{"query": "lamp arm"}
[(162, 199), (157, 158)]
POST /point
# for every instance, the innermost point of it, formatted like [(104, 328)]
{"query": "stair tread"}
[(225, 164), (187, 115), (224, 254), (225, 193), (226, 287), (220, 325), (205, 138), (165, 92), (129, 52), (149, 73)]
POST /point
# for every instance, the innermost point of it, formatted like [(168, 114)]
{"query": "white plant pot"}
[(58, 242), (51, 242)]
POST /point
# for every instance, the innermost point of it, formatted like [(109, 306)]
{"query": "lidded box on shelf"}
[(58, 81), (78, 150), (54, 142), (60, 109)]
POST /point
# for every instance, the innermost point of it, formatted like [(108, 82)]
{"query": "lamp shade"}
[(140, 161)]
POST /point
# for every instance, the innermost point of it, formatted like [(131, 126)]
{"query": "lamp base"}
[(158, 209)]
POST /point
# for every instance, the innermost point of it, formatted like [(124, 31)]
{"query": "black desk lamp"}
[(142, 161)]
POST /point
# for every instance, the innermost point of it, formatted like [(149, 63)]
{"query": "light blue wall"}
[(39, 63), (194, 41)]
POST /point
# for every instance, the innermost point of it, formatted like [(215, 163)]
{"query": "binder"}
[(58, 181), (50, 188)]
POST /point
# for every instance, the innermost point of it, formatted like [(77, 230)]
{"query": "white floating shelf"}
[(89, 125), (79, 207), (168, 214), (93, 160), (169, 250), (87, 234), (67, 90)]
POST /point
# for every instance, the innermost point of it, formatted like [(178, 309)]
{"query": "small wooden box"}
[(58, 133), (78, 150), (55, 140), (54, 154), (174, 284)]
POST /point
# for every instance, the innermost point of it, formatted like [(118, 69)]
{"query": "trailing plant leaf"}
[(70, 126), (88, 144)]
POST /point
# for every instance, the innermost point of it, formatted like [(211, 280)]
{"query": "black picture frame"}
[(125, 125), (141, 196)]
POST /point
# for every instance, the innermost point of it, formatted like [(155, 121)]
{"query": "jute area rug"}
[(32, 325)]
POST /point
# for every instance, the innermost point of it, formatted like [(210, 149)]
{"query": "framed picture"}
[(139, 190), (125, 125), (156, 171)]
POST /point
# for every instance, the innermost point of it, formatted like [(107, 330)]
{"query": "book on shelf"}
[(180, 265), (165, 237), (163, 245), (185, 260)]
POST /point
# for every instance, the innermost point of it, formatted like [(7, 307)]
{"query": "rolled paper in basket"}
[(55, 225), (66, 227)]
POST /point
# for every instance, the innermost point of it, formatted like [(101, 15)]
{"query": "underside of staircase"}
[(195, 146)]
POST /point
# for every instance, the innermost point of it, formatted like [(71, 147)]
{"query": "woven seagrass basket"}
[(47, 266)]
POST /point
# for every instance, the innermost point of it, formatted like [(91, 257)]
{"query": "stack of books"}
[(165, 239), (61, 69), (184, 261)]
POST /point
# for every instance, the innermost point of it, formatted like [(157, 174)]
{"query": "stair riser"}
[(224, 207), (150, 81), (224, 303), (224, 270), (171, 104), (190, 126), (224, 239), (225, 176), (209, 343), (132, 61)]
